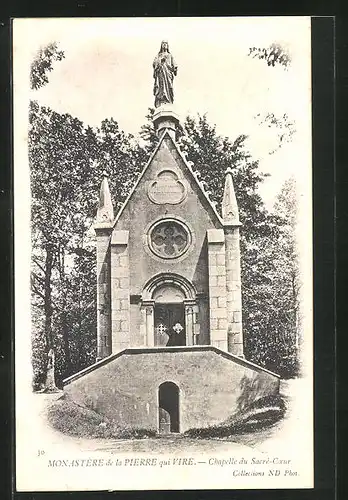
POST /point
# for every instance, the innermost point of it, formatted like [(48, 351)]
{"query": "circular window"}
[(169, 239)]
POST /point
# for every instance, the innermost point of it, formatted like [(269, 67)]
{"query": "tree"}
[(272, 55), (43, 64), (275, 54), (120, 155), (283, 127), (271, 311), (286, 209), (60, 158), (148, 133), (67, 160)]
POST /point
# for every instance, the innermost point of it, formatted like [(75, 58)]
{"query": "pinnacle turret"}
[(230, 213), (105, 211)]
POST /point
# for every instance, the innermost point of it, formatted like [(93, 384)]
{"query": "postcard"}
[(163, 253)]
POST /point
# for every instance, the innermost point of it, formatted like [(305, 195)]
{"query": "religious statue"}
[(164, 70)]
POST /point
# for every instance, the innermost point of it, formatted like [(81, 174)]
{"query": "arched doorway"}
[(169, 316), (169, 311), (168, 407)]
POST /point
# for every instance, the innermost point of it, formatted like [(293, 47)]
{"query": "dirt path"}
[(173, 444)]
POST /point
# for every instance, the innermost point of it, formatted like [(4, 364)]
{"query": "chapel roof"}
[(200, 187)]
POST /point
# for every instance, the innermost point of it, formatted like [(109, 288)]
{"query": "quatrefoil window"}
[(169, 239)]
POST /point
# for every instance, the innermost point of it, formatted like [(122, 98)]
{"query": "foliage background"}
[(67, 158)]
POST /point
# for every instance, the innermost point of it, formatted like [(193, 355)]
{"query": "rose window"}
[(169, 239)]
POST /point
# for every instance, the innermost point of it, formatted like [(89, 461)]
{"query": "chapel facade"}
[(168, 265), (170, 352)]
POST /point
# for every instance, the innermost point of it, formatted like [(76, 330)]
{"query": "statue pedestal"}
[(165, 119)]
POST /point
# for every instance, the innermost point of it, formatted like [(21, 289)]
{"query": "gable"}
[(167, 190), (170, 174)]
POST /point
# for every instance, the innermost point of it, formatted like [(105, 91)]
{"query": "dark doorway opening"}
[(170, 324), (168, 402)]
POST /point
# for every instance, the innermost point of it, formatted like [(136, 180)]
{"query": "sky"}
[(107, 72)]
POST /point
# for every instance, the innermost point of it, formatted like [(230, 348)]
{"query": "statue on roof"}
[(164, 70)]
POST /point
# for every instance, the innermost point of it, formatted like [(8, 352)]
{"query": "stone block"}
[(215, 236), (213, 280), (214, 324), (222, 283), (116, 304), (120, 237), (121, 293), (222, 286), (124, 282), (213, 302), (125, 326), (221, 270), (122, 336), (213, 271), (234, 306), (124, 261), (220, 259), (119, 315), (211, 259), (221, 301), (237, 297), (222, 322), (219, 312), (116, 325), (222, 344), (124, 345), (121, 272), (118, 346), (237, 317), (124, 304), (115, 282), (236, 276), (214, 291), (236, 327), (115, 260), (231, 260), (216, 249), (217, 335)]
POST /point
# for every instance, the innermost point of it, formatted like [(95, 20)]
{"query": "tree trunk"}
[(65, 332), (63, 315), (50, 383)]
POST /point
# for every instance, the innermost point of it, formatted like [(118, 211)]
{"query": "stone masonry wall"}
[(103, 294), (234, 293), (211, 387), (217, 288), (120, 298)]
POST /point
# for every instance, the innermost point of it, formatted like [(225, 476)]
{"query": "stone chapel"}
[(169, 321)]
